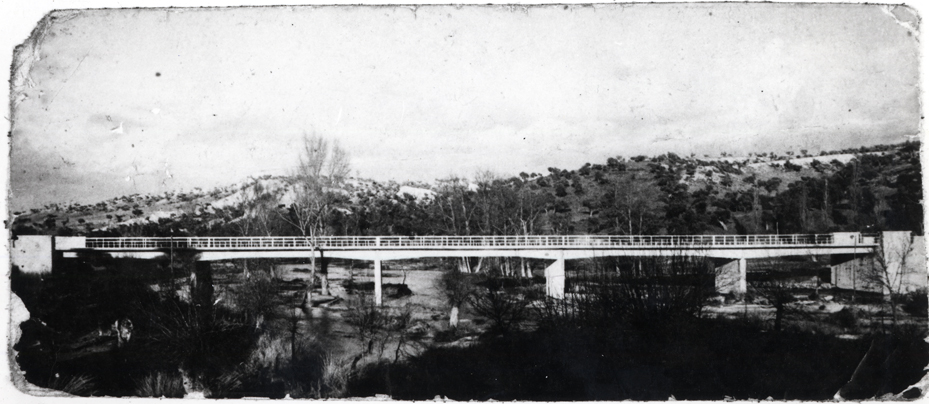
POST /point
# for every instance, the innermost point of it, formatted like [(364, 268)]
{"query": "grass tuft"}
[(160, 384), (79, 385)]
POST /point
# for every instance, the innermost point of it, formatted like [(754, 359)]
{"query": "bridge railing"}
[(452, 242)]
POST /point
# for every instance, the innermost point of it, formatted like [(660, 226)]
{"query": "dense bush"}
[(916, 303), (638, 292), (280, 366), (505, 311), (257, 297), (845, 318), (70, 335), (702, 360)]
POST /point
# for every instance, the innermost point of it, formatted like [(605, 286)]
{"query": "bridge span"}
[(542, 247), (735, 249)]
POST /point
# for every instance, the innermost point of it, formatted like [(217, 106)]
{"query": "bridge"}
[(730, 252), (402, 247), (735, 250)]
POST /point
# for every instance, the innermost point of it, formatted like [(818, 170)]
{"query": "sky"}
[(121, 101)]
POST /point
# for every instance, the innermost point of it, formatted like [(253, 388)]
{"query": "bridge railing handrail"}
[(486, 242)]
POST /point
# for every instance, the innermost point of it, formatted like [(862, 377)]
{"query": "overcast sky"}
[(111, 102)]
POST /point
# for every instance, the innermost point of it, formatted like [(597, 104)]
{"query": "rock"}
[(911, 393), (123, 329), (18, 315), (395, 290)]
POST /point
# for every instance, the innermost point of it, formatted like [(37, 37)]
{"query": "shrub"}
[(778, 294), (282, 365), (206, 341), (160, 384), (257, 296), (578, 187), (457, 289), (845, 318), (376, 328), (916, 303), (504, 311), (643, 292), (791, 166)]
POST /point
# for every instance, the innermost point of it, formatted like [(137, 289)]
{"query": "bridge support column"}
[(732, 276), (555, 279), (201, 289), (743, 275), (378, 290)]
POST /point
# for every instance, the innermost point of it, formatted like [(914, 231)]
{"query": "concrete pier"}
[(555, 279), (378, 286)]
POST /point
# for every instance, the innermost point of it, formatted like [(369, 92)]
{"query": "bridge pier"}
[(378, 288), (732, 277), (201, 289), (555, 279), (743, 275)]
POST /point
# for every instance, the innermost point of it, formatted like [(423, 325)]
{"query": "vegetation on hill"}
[(874, 189)]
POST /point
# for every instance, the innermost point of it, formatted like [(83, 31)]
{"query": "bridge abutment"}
[(897, 266), (33, 254), (852, 272)]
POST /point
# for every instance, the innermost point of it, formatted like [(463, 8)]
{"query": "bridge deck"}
[(350, 243)]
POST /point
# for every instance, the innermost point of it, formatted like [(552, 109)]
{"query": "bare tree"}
[(323, 168), (780, 295), (633, 205), (890, 270), (254, 214), (528, 211), (456, 210), (508, 207)]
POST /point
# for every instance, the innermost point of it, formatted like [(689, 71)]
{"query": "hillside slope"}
[(878, 188)]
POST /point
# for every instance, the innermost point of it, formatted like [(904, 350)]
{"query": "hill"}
[(867, 189)]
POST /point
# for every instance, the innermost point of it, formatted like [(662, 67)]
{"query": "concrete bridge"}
[(732, 250)]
